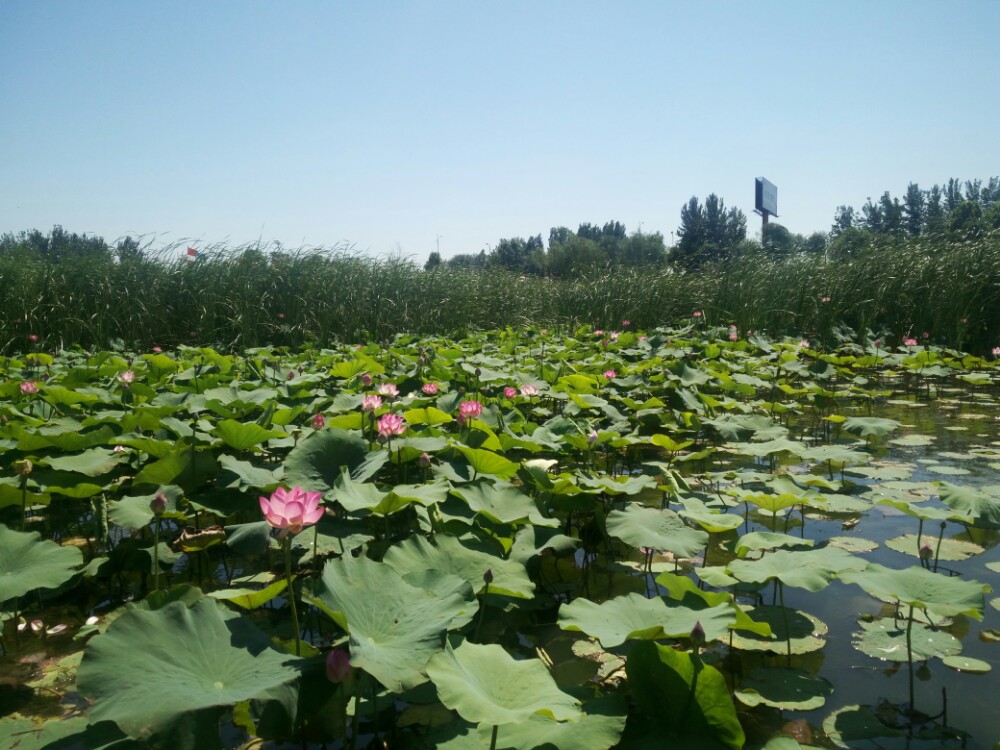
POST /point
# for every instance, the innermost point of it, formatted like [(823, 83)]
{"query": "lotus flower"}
[(529, 390), (389, 390), (390, 425), (291, 510), (429, 389), (610, 374), (318, 422), (371, 403), (29, 386), (469, 410), (126, 378), (996, 351), (509, 392), (338, 666), (909, 341)]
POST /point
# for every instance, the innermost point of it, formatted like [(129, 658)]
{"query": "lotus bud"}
[(926, 553), (698, 634), (366, 379), (592, 438), (488, 576), (318, 422), (291, 374), (158, 504), (24, 467), (478, 372), (425, 460), (338, 666)]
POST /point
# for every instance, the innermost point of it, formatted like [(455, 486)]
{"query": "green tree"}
[(934, 215), (892, 214), (708, 233), (844, 218), (433, 261), (966, 221), (914, 208)]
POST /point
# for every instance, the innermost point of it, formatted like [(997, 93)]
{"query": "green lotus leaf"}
[(835, 502), (870, 426), (486, 685), (503, 504), (27, 562), (243, 475), (402, 495), (448, 555), (848, 726), (946, 549), (939, 594), (985, 508), (967, 664), (656, 529), (61, 734), (618, 485), (394, 627), (687, 699), (885, 639), (768, 540), (834, 455), (488, 462), (633, 616), (66, 435), (913, 441), (248, 598), (774, 503), (669, 444), (93, 462), (243, 436), (686, 591), (783, 688), (769, 448), (315, 463), (598, 728), (185, 465), (812, 570), (59, 396), (429, 416), (928, 513), (791, 630), (12, 494), (153, 669), (712, 521)]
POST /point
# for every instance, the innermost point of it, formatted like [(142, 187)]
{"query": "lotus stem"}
[(291, 594), (909, 655), (156, 553), (493, 739)]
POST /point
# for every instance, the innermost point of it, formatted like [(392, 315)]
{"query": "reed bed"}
[(246, 296)]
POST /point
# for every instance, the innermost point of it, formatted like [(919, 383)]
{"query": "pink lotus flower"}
[(390, 425), (925, 335), (33, 338), (909, 341), (281, 316), (614, 335), (804, 343), (996, 351), (824, 298), (157, 349), (877, 343), (598, 332), (29, 386), (610, 374), (371, 403), (158, 504), (338, 666), (592, 438), (529, 390), (126, 378), (509, 392), (697, 313), (388, 390), (469, 410), (318, 422), (429, 389), (291, 510), (366, 378), (734, 336), (626, 323)]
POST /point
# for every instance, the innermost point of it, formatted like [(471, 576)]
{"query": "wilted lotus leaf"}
[(196, 540)]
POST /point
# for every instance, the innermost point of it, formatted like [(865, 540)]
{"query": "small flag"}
[(192, 253)]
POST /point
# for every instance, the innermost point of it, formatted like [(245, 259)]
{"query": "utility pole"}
[(437, 243)]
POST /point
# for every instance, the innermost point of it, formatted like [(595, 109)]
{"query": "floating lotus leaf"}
[(852, 543), (619, 486), (937, 593), (686, 699), (913, 441), (784, 688), (791, 629), (486, 685), (712, 521), (928, 513), (153, 669), (448, 555), (885, 639), (954, 471), (394, 627), (898, 471), (967, 664), (850, 726), (768, 540), (27, 562), (812, 570), (947, 549), (838, 503), (656, 529)]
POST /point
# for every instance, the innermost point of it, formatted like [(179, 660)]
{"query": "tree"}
[(952, 195), (871, 217), (575, 256), (433, 261), (844, 218), (965, 221), (892, 214), (913, 209), (777, 239), (708, 234), (934, 212)]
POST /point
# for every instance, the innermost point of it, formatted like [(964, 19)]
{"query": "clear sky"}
[(401, 126)]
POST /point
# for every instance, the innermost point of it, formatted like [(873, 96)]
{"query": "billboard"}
[(765, 197)]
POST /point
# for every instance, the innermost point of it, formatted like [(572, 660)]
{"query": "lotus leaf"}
[(394, 627), (598, 728), (940, 595), (503, 504), (885, 639), (486, 685), (656, 529), (784, 688), (812, 570), (27, 562), (315, 463), (153, 669)]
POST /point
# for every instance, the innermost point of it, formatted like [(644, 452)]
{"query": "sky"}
[(400, 127)]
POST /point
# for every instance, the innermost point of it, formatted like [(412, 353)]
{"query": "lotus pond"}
[(573, 539)]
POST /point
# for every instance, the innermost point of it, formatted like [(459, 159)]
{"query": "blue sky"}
[(398, 126)]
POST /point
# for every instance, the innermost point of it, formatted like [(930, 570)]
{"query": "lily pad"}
[(791, 629), (948, 549), (885, 639), (784, 688), (967, 664)]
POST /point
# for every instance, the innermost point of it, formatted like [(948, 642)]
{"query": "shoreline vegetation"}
[(65, 289)]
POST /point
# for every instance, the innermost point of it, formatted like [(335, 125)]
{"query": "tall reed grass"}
[(239, 297)]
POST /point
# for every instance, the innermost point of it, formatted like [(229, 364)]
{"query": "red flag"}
[(192, 253)]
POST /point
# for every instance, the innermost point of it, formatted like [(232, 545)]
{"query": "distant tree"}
[(843, 218), (973, 190), (468, 260), (934, 215), (991, 216), (914, 206), (815, 243), (708, 234), (433, 261), (850, 242), (777, 240), (871, 217), (991, 192), (642, 250), (966, 221), (892, 214), (952, 195), (575, 256)]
